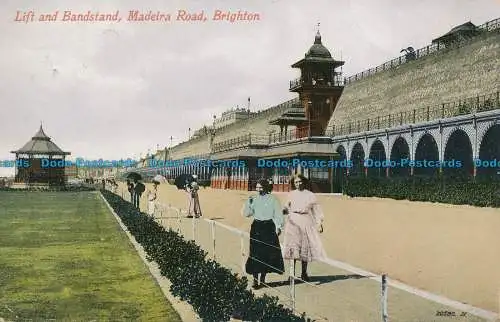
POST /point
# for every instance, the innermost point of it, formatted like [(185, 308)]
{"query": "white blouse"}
[(305, 203)]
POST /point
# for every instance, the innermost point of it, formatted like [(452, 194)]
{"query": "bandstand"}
[(40, 162)]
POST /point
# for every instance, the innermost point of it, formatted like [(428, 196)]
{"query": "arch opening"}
[(400, 150), (357, 158), (458, 156), (340, 172), (377, 156), (427, 150), (489, 152)]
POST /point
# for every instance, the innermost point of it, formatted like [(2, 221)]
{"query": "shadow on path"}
[(318, 280)]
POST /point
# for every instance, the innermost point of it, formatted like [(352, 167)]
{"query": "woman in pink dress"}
[(305, 222)]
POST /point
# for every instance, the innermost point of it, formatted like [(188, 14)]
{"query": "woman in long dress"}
[(152, 196), (194, 207), (265, 251), (305, 222)]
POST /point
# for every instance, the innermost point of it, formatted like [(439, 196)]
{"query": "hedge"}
[(481, 192), (215, 293)]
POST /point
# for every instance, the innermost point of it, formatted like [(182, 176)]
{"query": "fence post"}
[(194, 227), (179, 221), (212, 226), (243, 257), (292, 284), (384, 298)]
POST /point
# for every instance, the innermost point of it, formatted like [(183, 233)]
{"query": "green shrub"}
[(481, 192), (215, 293)]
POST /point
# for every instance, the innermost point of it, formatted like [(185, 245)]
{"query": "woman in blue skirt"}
[(265, 251)]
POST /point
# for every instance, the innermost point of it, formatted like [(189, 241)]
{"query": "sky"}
[(113, 90)]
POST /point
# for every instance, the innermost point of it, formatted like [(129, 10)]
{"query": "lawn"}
[(64, 257)]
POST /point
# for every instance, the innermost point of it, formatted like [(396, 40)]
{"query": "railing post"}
[(194, 226), (385, 316), (243, 256), (428, 113), (292, 284), (179, 221), (212, 226), (161, 217), (414, 112)]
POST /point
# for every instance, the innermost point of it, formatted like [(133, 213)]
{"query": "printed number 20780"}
[(450, 313)]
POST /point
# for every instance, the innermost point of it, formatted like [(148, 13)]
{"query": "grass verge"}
[(63, 256)]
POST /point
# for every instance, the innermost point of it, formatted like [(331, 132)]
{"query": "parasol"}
[(182, 180), (134, 176), (159, 178)]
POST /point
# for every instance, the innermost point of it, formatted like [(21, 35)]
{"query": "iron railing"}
[(242, 141), (289, 135), (466, 106), (300, 81), (446, 110), (419, 53)]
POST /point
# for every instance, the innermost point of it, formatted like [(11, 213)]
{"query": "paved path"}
[(333, 294)]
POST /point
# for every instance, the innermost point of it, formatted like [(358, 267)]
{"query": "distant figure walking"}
[(139, 188), (305, 222), (130, 188), (265, 251), (152, 196), (194, 208)]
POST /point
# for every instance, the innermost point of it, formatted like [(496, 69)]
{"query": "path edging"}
[(185, 311)]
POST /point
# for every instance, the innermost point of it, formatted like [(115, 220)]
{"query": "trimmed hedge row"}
[(457, 191), (215, 293)]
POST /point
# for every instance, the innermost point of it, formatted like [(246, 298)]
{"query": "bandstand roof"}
[(41, 144)]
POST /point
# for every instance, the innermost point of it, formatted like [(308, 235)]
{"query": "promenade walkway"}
[(333, 294), (336, 292)]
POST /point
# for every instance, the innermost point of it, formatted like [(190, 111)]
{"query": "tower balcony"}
[(301, 83)]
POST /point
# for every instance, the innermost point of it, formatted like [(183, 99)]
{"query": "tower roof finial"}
[(317, 39)]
